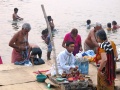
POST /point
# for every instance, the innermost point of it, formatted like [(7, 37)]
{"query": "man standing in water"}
[(15, 16), (20, 45), (90, 42)]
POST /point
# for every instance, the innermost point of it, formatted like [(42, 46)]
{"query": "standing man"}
[(90, 42), (20, 45)]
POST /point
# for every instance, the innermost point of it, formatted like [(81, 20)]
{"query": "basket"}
[(41, 78)]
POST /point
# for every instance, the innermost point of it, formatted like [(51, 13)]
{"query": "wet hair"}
[(68, 43), (15, 9), (74, 31), (114, 23), (26, 26), (101, 34), (49, 18), (88, 22), (45, 31), (109, 25)]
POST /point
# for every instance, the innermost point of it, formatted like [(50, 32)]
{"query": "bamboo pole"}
[(51, 39)]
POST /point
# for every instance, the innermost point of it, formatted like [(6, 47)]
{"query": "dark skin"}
[(74, 37), (91, 39), (17, 41), (16, 17)]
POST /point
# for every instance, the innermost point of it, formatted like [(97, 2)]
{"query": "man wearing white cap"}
[(90, 42), (20, 45)]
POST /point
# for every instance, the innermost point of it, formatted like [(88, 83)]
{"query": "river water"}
[(67, 14)]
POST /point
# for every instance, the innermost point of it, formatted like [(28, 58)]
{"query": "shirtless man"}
[(90, 42), (20, 45), (15, 16)]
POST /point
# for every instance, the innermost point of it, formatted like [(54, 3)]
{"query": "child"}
[(15, 16), (35, 50), (109, 27), (51, 23), (115, 26), (46, 38), (88, 24)]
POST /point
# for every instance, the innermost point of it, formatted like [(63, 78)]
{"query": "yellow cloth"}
[(101, 79)]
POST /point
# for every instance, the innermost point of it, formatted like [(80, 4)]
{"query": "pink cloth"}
[(16, 56), (77, 42), (1, 60)]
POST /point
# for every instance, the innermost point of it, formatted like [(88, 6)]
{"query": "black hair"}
[(88, 22), (15, 9), (74, 31), (44, 31), (101, 34), (109, 25), (49, 18), (114, 23), (68, 43)]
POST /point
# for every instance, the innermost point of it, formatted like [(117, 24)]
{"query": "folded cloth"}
[(25, 62), (89, 53)]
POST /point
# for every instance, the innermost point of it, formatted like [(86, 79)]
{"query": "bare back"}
[(91, 40)]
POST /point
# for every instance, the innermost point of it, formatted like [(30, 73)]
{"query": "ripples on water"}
[(67, 14)]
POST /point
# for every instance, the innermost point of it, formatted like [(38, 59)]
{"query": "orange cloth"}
[(98, 56)]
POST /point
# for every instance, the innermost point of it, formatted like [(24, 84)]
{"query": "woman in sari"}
[(105, 58)]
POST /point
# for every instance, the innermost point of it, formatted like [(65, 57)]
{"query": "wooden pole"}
[(51, 39)]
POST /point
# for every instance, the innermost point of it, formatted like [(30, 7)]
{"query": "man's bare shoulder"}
[(17, 34), (92, 32)]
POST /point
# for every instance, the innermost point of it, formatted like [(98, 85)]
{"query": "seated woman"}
[(20, 44), (105, 60), (65, 60)]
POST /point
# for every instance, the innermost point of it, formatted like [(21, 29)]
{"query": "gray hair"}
[(98, 24), (26, 26)]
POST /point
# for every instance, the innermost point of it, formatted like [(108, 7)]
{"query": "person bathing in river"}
[(109, 27), (91, 42), (115, 26), (50, 20), (88, 24), (15, 16), (20, 44)]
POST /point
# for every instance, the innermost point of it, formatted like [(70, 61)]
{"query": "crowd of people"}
[(106, 53)]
